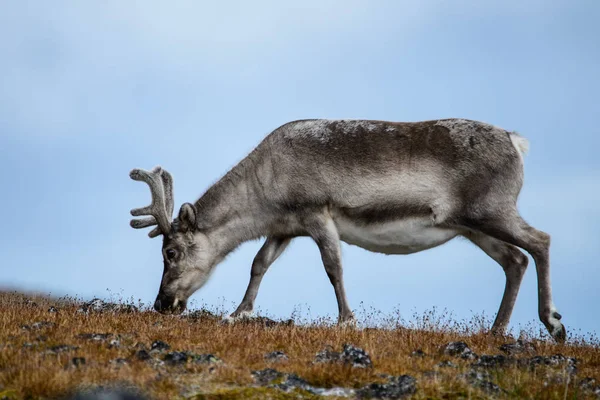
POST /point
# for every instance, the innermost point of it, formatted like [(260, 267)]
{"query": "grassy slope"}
[(27, 372)]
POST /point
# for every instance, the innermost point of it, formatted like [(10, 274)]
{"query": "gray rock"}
[(327, 355), (458, 349), (266, 376), (356, 357), (202, 315), (446, 364), (276, 356), (119, 362), (176, 358), (142, 355), (587, 383), (205, 359), (351, 355), (38, 325), (159, 346), (488, 386), (418, 353), (96, 337), (493, 361), (518, 347), (100, 306), (396, 388), (30, 303), (293, 382), (61, 348), (290, 382), (334, 392), (482, 380), (556, 360)]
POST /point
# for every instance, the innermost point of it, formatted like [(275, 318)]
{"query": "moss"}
[(8, 395)]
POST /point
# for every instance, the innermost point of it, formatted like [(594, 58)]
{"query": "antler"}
[(161, 208)]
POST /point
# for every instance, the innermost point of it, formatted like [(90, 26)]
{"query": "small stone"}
[(482, 380), (446, 364), (142, 355), (176, 358), (334, 392), (99, 306), (587, 383), (293, 382), (53, 310), (396, 388), (350, 355), (488, 386), (202, 315), (96, 337), (459, 349), (61, 348), (159, 346), (266, 376), (555, 360), (327, 355), (276, 356), (477, 375), (253, 319), (114, 343), (30, 303), (78, 361), (205, 359), (94, 305), (518, 347), (38, 325), (493, 361), (418, 353), (119, 362)]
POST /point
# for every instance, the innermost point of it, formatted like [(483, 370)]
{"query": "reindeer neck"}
[(229, 212)]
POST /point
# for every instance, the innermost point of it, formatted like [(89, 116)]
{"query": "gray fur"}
[(389, 187)]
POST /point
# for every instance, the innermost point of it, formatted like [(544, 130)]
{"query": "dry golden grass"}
[(28, 371)]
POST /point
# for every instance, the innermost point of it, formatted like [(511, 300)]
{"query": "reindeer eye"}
[(171, 254)]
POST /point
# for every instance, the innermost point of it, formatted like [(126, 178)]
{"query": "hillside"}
[(53, 348)]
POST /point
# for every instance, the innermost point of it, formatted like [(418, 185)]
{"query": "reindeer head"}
[(186, 251)]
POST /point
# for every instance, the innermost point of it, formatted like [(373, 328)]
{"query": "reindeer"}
[(388, 187)]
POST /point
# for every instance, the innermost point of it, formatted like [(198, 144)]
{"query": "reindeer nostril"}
[(157, 305)]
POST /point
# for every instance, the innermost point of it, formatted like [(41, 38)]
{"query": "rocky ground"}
[(63, 348)]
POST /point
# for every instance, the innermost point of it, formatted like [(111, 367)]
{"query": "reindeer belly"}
[(404, 236)]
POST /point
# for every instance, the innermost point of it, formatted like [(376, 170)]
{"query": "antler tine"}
[(167, 180), (143, 222), (161, 208)]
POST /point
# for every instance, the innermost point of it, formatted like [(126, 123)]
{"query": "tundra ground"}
[(52, 348)]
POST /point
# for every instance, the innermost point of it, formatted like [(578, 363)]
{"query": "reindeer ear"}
[(187, 217)]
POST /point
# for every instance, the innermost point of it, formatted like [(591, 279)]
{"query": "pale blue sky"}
[(90, 90)]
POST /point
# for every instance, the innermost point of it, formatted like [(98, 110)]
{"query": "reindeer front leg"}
[(267, 254), (325, 234)]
